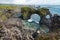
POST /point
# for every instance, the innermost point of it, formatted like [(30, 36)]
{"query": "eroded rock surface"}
[(10, 31)]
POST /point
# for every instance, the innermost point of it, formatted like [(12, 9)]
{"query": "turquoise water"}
[(34, 26), (37, 19), (30, 24)]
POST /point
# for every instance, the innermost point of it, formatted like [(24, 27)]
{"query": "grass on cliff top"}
[(9, 6)]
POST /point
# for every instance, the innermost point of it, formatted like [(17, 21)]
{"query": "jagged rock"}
[(13, 32)]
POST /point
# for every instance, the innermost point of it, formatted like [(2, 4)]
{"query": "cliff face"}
[(15, 33), (12, 31)]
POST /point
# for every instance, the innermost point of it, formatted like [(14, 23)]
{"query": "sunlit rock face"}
[(35, 18)]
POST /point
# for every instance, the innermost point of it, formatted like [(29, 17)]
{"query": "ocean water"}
[(37, 19)]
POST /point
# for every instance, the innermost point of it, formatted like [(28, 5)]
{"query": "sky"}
[(31, 2)]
